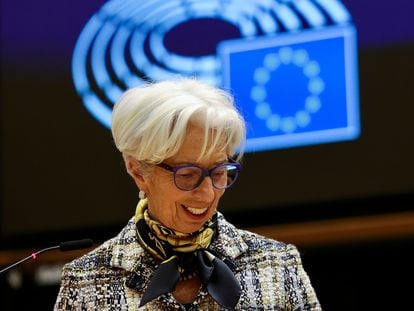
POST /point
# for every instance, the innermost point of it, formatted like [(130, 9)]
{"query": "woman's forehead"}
[(191, 150)]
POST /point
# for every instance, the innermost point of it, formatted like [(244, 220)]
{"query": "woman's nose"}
[(205, 191)]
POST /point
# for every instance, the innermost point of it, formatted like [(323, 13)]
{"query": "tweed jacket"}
[(115, 275)]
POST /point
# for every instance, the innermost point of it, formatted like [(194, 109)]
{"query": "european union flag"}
[(295, 89)]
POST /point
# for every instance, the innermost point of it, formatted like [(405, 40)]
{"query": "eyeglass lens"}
[(222, 176)]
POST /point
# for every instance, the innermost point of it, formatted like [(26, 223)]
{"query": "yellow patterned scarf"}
[(160, 240), (184, 254)]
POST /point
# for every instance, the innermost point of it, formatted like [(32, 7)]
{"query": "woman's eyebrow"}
[(184, 163)]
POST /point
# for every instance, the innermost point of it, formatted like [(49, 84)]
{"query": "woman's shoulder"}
[(120, 251), (96, 258), (269, 247), (255, 244)]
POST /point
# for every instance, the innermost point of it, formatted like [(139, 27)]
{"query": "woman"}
[(178, 140)]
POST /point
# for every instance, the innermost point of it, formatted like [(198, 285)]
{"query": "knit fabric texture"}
[(115, 275)]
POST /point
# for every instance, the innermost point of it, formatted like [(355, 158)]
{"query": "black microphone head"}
[(77, 244)]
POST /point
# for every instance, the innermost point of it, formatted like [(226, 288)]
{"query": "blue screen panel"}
[(295, 89)]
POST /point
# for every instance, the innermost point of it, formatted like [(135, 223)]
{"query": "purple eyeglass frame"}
[(204, 174)]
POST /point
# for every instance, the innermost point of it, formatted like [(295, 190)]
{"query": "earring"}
[(142, 194)]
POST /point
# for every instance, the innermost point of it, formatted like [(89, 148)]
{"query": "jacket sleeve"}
[(300, 295)]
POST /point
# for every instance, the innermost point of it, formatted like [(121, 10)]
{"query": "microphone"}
[(73, 245), (63, 247)]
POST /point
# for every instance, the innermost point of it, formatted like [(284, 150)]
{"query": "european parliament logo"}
[(291, 64)]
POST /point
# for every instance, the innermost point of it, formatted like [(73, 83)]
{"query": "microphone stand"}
[(64, 246)]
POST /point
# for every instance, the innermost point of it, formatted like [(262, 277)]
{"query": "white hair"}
[(149, 122)]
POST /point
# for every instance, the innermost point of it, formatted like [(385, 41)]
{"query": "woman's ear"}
[(136, 172)]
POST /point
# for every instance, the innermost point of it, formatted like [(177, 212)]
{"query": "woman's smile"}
[(195, 210)]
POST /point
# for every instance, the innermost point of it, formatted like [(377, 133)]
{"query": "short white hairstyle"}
[(149, 122)]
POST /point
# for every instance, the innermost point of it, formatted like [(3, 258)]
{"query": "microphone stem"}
[(32, 256), (46, 249)]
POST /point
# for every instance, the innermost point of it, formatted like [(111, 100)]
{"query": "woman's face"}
[(184, 211)]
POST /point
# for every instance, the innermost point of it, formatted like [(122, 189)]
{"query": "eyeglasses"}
[(189, 177)]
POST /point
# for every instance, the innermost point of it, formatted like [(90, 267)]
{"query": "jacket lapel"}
[(128, 255), (229, 242)]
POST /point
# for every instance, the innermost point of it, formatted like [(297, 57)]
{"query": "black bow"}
[(215, 275)]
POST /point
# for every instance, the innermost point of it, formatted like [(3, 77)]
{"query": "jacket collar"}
[(229, 241), (128, 254)]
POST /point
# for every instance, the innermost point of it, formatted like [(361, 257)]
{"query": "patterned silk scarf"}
[(184, 254)]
